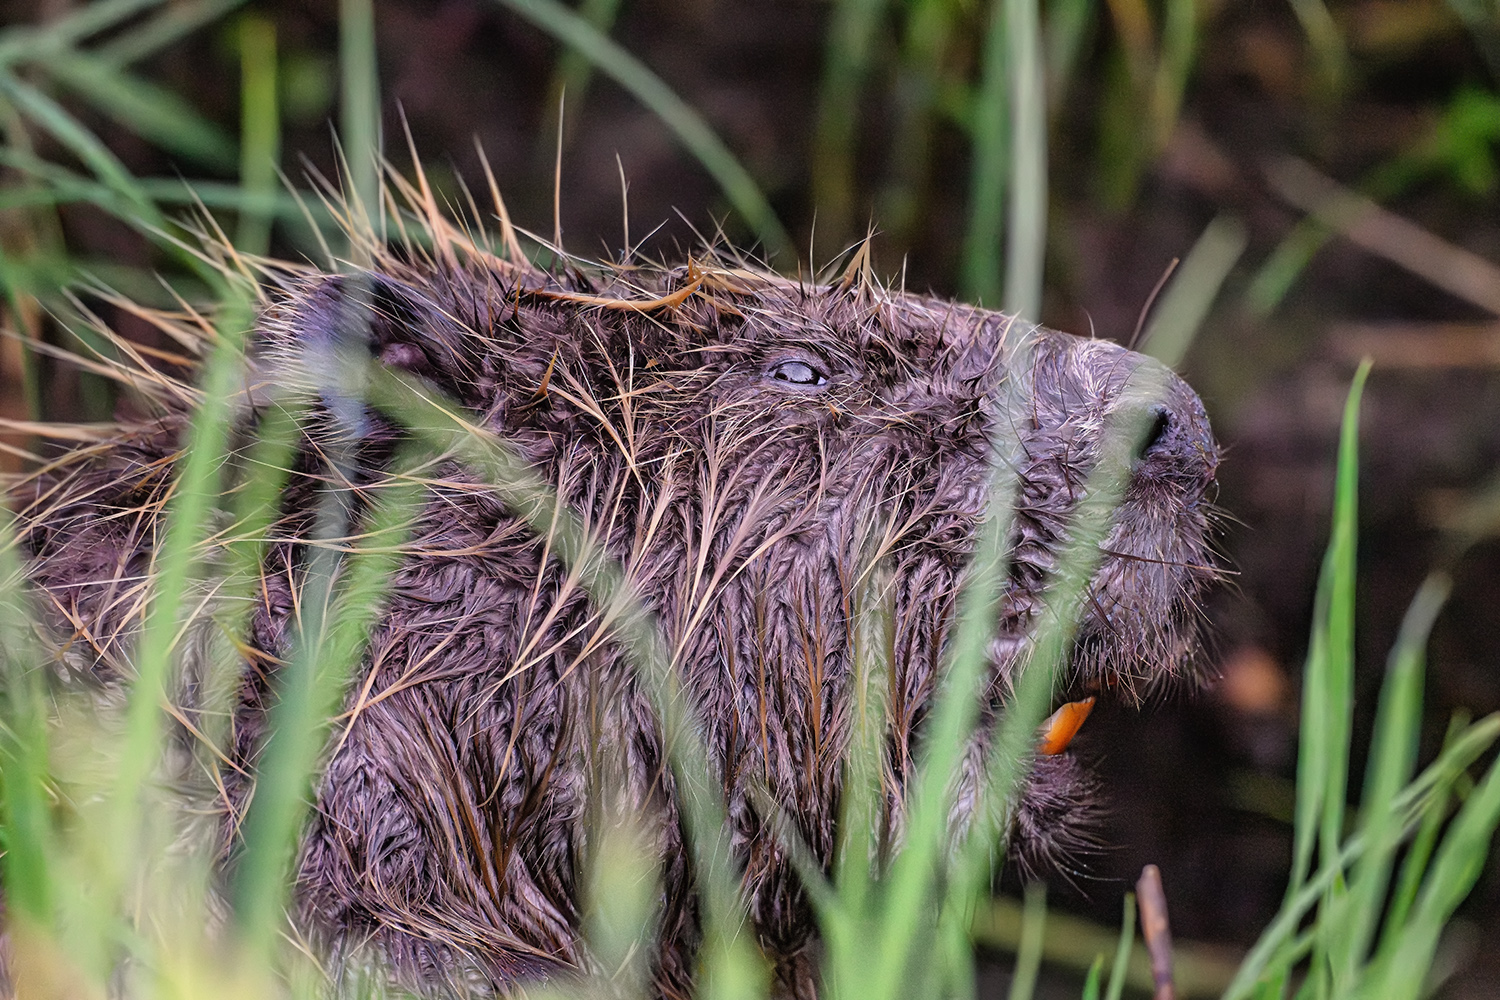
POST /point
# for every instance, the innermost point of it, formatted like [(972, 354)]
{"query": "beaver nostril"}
[(1159, 428)]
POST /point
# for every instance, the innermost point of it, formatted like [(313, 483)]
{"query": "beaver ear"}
[(347, 318)]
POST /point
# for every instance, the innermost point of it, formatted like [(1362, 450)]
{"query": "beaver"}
[(746, 447)]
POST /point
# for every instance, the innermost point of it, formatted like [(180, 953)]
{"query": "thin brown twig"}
[(1140, 321), (1152, 899)]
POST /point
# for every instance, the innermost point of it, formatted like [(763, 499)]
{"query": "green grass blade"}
[(864, 770), (1122, 950), (66, 129), (1091, 982), (1063, 603), (1414, 867), (359, 112), (1279, 942), (1341, 570), (846, 907), (571, 79), (729, 959), (177, 560), (979, 277), (913, 875), (28, 828), (1327, 43), (621, 895), (1459, 862), (1029, 955), (1192, 290), (922, 79), (255, 503), (340, 604), (260, 130), (1327, 696), (169, 26), (28, 42), (1393, 759), (689, 126), (1026, 235), (955, 711), (847, 52), (1067, 30), (1178, 48), (1284, 266), (1312, 747), (154, 113), (63, 186)]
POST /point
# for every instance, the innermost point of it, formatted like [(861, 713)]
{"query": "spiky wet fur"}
[(747, 511)]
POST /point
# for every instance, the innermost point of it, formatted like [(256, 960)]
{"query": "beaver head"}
[(748, 448)]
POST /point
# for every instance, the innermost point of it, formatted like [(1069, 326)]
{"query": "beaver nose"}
[(1180, 440), (1159, 427)]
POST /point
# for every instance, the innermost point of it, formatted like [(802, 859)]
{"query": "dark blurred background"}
[(853, 116)]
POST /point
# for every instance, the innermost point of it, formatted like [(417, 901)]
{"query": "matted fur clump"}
[(747, 446)]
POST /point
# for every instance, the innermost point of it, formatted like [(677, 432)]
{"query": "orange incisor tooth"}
[(1062, 725)]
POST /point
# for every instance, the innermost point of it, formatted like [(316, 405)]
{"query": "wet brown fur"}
[(452, 816)]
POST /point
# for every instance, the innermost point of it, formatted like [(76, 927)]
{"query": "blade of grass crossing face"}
[(690, 128), (255, 504), (957, 965), (339, 605), (859, 831), (1393, 759), (178, 557), (1026, 235), (621, 897), (28, 828), (981, 265), (1011, 745), (956, 704), (260, 130), (729, 963), (1068, 589), (842, 906)]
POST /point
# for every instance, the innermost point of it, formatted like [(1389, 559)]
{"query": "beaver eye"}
[(797, 373)]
